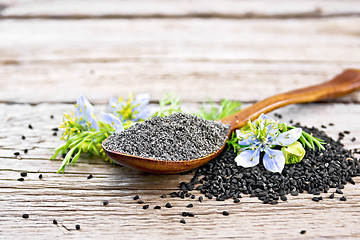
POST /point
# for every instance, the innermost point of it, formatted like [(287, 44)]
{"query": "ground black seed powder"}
[(178, 137), (316, 173)]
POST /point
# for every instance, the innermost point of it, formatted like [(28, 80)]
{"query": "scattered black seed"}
[(40, 176), (184, 214), (323, 126), (225, 213), (331, 124), (140, 202), (51, 116), (190, 214), (54, 134), (168, 205), (319, 171), (343, 198), (26, 151), (315, 199), (351, 181), (77, 226), (316, 193), (339, 191), (291, 121), (16, 153), (30, 126), (178, 137), (21, 179), (188, 195), (190, 205), (332, 196), (182, 221), (90, 176), (146, 206), (55, 129), (201, 199), (283, 198), (157, 207), (63, 155), (25, 215), (106, 202), (278, 115), (23, 174), (353, 139), (347, 132), (23, 137), (192, 196), (163, 196), (302, 231), (55, 221), (136, 197), (236, 200)]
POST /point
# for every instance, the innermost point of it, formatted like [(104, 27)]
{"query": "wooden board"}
[(73, 199)]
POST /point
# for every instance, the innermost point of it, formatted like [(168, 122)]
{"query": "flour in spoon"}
[(178, 137)]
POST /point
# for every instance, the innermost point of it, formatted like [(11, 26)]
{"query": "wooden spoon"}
[(346, 82)]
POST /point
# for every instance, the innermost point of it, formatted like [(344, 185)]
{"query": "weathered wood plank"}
[(197, 59), (179, 9)]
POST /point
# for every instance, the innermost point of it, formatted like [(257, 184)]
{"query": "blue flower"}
[(113, 121), (84, 113), (133, 110), (263, 135)]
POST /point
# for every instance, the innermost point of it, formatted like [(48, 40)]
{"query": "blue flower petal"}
[(287, 138), (93, 122), (245, 138), (248, 158), (83, 106), (146, 112), (141, 100), (113, 121), (274, 160), (113, 103)]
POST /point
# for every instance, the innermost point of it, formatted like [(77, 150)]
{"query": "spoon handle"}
[(346, 82)]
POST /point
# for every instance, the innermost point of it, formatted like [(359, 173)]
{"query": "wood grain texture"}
[(73, 199), (196, 58), (65, 9)]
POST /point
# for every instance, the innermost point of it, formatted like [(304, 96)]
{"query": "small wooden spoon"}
[(346, 82)]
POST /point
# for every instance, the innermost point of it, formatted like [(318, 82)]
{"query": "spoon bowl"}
[(346, 82)]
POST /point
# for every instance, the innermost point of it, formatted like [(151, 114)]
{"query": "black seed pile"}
[(174, 138), (319, 171)]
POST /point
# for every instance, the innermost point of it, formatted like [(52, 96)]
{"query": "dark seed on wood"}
[(168, 205), (40, 176), (323, 126), (77, 226), (184, 214), (332, 196), (23, 174), (136, 197), (225, 213), (163, 196), (347, 132), (236, 200), (140, 202), (182, 221), (90, 176), (294, 193), (25, 215), (201, 199), (54, 134), (353, 139), (302, 231), (338, 191), (25, 151), (343, 198), (315, 199), (331, 124), (21, 179), (157, 207), (192, 196), (30, 126), (23, 137), (16, 153), (283, 198), (55, 129), (51, 116), (55, 221), (146, 206), (106, 202), (190, 214), (190, 205)]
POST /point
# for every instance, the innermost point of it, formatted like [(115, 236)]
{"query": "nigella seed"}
[(40, 176), (236, 200), (136, 197), (21, 179), (353, 139), (16, 153), (145, 206), (201, 199), (182, 221), (54, 134), (225, 213), (106, 202), (190, 214), (184, 214), (30, 126), (315, 199), (55, 129), (192, 196), (162, 196), (190, 205), (140, 202), (55, 221), (347, 132), (157, 207), (294, 193), (343, 198), (25, 151), (338, 191), (168, 205), (323, 126), (23, 174), (188, 195), (25, 215), (332, 196), (302, 231), (331, 124), (23, 137), (283, 198), (77, 227), (90, 176), (51, 116)]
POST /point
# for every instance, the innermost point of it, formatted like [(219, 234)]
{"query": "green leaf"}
[(294, 153)]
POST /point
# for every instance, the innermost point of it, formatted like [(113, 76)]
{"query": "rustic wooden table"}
[(53, 50)]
